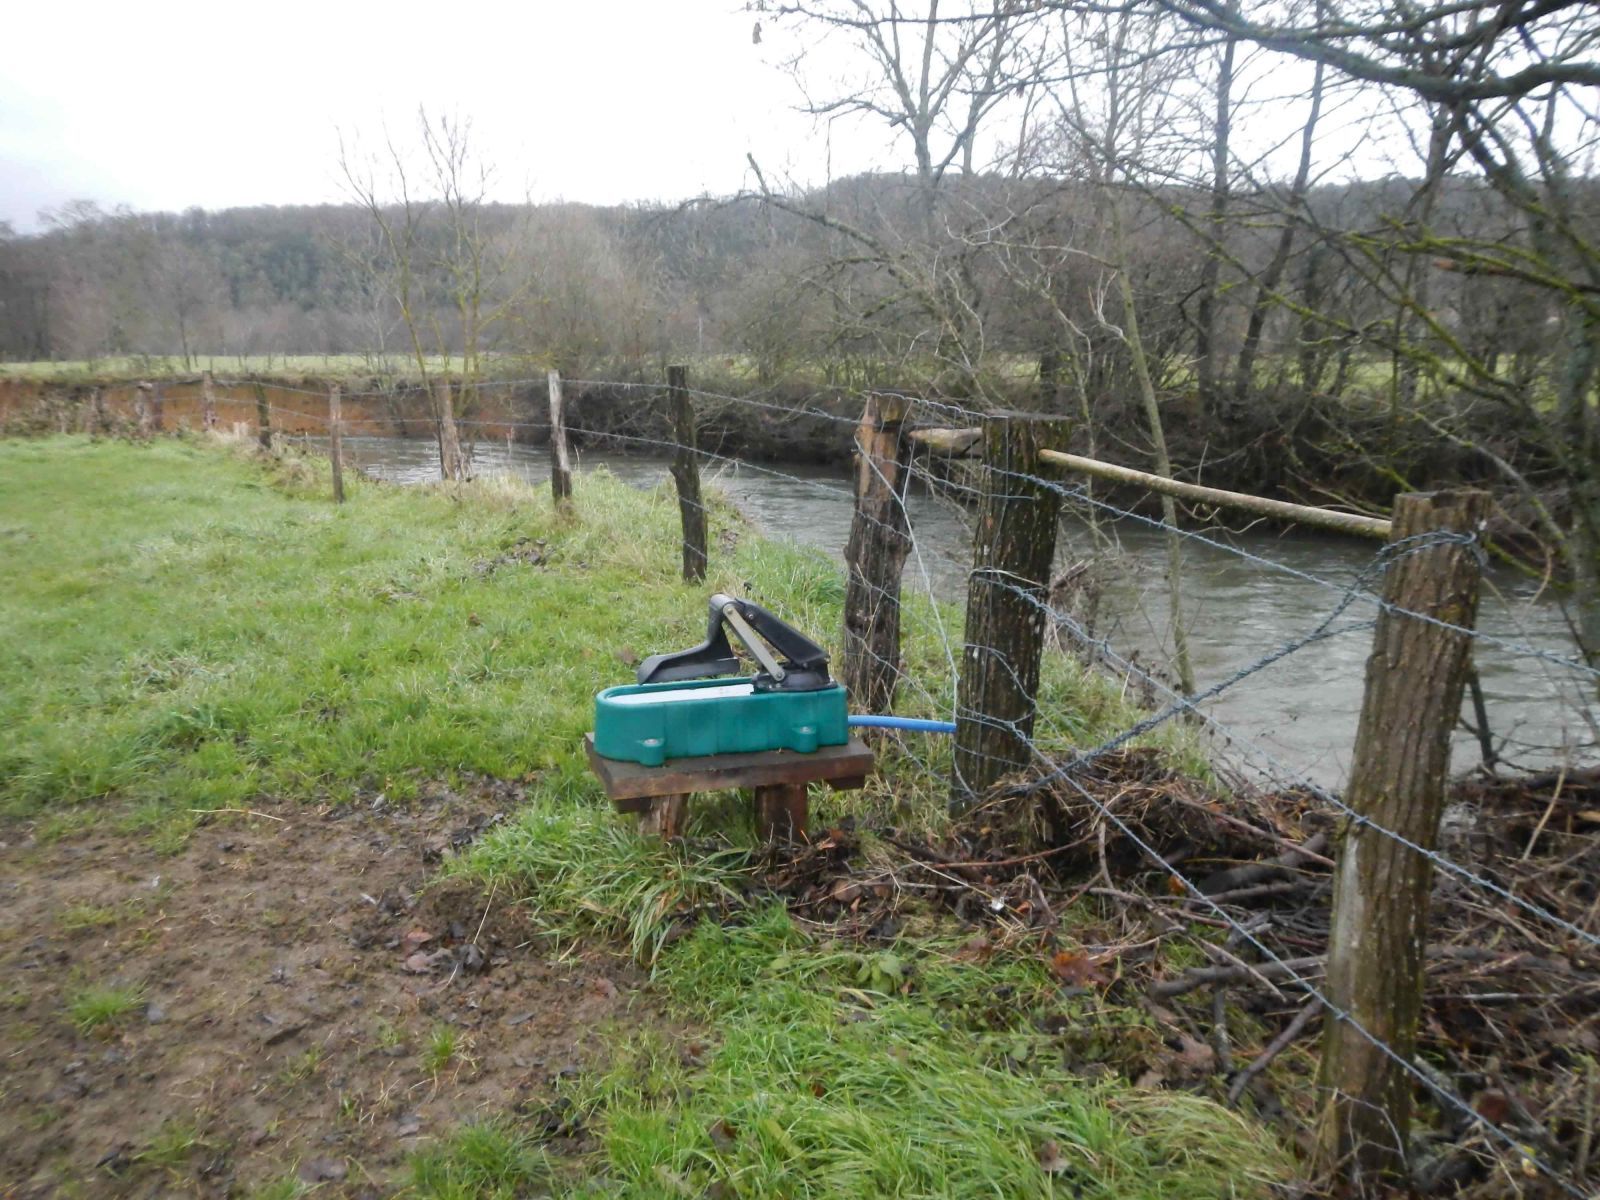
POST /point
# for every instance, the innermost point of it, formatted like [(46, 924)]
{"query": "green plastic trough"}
[(652, 722)]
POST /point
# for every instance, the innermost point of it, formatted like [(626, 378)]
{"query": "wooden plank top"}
[(844, 767)]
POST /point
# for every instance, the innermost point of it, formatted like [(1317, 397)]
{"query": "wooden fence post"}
[(875, 556), (452, 467), (100, 419), (336, 443), (1014, 548), (158, 407), (560, 461), (1379, 927), (208, 402), (686, 473), (141, 410), (263, 417)]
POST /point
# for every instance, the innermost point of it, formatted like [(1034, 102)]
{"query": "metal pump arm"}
[(804, 666)]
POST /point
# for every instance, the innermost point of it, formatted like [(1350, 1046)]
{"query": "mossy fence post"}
[(686, 474), (1379, 928), (875, 555), (336, 442), (560, 457), (1014, 546)]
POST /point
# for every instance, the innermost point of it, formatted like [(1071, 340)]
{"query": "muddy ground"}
[(307, 1005)]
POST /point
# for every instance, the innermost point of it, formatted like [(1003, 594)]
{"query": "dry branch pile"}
[(1213, 927)]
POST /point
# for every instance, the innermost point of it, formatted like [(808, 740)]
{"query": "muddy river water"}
[(1300, 712)]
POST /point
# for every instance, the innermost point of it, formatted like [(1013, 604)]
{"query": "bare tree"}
[(434, 247)]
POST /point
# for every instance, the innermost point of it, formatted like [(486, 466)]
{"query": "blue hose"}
[(914, 724)]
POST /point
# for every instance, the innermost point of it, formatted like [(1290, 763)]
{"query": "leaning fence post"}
[(1013, 548), (560, 461), (686, 473), (208, 402), (875, 556), (1378, 933), (336, 443), (263, 417)]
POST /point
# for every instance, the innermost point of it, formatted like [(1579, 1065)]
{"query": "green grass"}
[(77, 917), (490, 1160), (187, 629), (172, 1146), (897, 1073), (444, 1045), (834, 1074), (99, 1007), (267, 366), (182, 630)]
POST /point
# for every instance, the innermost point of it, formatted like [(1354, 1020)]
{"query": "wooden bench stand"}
[(778, 779)]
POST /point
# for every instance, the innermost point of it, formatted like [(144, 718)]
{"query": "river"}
[(1300, 712)]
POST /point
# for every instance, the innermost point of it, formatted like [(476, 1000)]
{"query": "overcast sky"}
[(169, 105)]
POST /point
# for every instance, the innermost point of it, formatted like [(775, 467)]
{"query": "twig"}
[(246, 812), (1235, 961), (1294, 856), (488, 905), (1200, 976), (1549, 808), (1219, 1030), (1274, 1048), (1283, 887), (1586, 1138)]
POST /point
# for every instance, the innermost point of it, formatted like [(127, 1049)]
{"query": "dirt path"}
[(291, 1005)]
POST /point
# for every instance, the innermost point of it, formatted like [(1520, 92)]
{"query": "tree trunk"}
[(1379, 928), (1245, 372), (1208, 360), (1163, 464)]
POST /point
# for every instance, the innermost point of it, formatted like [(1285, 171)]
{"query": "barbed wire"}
[(1080, 494), (1066, 771)]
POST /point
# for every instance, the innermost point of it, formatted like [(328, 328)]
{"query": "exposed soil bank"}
[(308, 1006), (1317, 450)]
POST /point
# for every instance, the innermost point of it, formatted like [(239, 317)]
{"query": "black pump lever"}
[(804, 665)]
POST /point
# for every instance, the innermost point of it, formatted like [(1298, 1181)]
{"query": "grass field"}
[(187, 628), (734, 370)]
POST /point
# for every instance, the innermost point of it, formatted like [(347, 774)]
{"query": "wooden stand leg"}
[(781, 811), (665, 818)]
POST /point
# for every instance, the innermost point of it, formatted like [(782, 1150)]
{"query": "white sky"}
[(170, 105), (178, 104)]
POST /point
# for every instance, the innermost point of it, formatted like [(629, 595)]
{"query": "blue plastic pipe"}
[(914, 724)]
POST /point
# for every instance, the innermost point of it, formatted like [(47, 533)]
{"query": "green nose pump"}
[(793, 663)]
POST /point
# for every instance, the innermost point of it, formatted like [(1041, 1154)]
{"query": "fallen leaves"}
[(1079, 970)]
